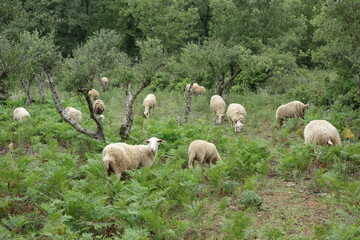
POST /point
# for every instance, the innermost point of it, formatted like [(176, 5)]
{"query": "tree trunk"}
[(26, 88), (96, 135), (129, 113), (358, 85), (188, 102), (42, 89), (3, 94)]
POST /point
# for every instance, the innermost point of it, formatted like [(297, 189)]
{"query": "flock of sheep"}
[(118, 157)]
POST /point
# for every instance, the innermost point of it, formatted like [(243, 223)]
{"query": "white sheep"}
[(149, 104), (321, 132), (118, 157), (236, 114), (93, 94), (217, 105), (197, 89), (74, 114), (20, 114), (105, 82), (204, 152), (98, 106), (291, 110)]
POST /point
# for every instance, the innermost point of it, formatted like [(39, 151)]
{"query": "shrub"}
[(250, 199)]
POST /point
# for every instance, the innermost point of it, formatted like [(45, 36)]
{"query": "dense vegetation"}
[(258, 53)]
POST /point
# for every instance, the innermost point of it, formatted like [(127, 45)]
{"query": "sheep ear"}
[(146, 141), (160, 140)]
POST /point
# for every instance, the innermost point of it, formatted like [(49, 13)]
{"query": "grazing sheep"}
[(321, 132), (98, 107), (290, 110), (217, 105), (93, 94), (149, 104), (204, 152), (197, 89), (74, 114), (118, 157), (236, 114), (105, 82), (20, 114)]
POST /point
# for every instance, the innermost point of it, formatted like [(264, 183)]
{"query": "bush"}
[(250, 199)]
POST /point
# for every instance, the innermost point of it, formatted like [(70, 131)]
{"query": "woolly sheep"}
[(105, 82), (20, 114), (202, 151), (197, 89), (290, 110), (321, 132), (118, 157), (93, 94), (98, 106), (149, 104), (236, 114), (74, 114), (217, 105)]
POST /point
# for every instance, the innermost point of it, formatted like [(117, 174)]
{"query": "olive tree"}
[(98, 55)]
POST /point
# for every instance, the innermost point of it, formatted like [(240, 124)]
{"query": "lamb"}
[(217, 105), (93, 94), (236, 114), (321, 132), (197, 89), (149, 104), (20, 114), (290, 110), (105, 83), (98, 107), (118, 157), (74, 114), (204, 152)]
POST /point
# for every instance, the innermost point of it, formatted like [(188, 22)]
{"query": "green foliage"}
[(237, 227), (250, 199)]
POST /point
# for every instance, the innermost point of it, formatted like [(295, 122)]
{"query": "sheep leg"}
[(191, 161)]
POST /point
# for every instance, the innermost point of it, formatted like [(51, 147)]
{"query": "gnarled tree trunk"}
[(129, 113), (188, 101), (42, 88), (99, 134), (3, 94)]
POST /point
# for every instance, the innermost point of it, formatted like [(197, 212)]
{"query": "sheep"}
[(93, 94), (321, 132), (74, 114), (105, 83), (290, 110), (98, 106), (149, 104), (197, 89), (20, 114), (236, 114), (217, 105), (204, 152), (118, 157)]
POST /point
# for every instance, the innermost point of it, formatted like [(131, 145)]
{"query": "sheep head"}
[(238, 126), (154, 143), (219, 118)]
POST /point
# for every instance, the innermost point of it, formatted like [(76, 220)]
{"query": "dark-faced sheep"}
[(321, 132), (74, 114), (20, 114), (236, 114), (118, 157), (291, 110), (204, 152), (98, 107), (149, 104), (218, 105)]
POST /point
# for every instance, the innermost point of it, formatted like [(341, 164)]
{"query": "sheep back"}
[(321, 132), (74, 114), (202, 151), (118, 157), (20, 114), (290, 110), (236, 112), (93, 94), (217, 105)]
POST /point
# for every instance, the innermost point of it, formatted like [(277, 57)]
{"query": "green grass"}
[(53, 184)]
